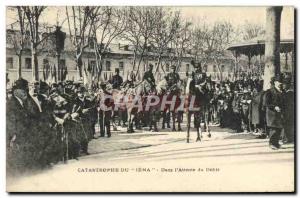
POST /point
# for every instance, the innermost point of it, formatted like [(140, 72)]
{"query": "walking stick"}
[(67, 144), (103, 121), (65, 141)]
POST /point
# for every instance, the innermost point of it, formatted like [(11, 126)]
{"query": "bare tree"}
[(199, 43), (215, 39), (180, 46), (141, 21), (33, 14), (164, 32), (252, 30), (109, 23), (18, 37), (80, 22)]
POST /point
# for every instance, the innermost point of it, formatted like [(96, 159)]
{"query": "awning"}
[(256, 47)]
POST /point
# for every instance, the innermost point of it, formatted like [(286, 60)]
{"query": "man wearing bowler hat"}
[(273, 106)]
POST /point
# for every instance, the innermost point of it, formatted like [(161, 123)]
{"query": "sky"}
[(236, 15)]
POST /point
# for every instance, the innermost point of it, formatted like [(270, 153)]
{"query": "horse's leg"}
[(114, 121), (156, 119), (168, 118), (133, 116), (207, 123), (179, 119), (188, 126), (138, 119), (129, 127), (150, 118), (173, 120), (198, 127), (163, 120)]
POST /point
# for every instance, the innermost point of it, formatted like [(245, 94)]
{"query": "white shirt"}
[(35, 99)]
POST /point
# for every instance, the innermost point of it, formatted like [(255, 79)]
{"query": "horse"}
[(163, 92), (201, 101)]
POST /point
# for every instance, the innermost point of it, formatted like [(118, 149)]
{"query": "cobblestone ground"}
[(151, 161)]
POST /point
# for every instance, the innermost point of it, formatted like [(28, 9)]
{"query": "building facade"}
[(118, 56)]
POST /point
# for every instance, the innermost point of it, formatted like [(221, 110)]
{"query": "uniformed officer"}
[(149, 79), (173, 79), (130, 82), (116, 80), (105, 110)]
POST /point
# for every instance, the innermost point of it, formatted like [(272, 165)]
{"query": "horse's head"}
[(161, 86)]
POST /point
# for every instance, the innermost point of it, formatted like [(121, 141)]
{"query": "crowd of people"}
[(50, 123)]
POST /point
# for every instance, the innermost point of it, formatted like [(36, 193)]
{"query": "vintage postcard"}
[(150, 99)]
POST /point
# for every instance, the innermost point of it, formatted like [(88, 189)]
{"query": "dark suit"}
[(23, 122), (116, 81), (288, 115), (272, 99)]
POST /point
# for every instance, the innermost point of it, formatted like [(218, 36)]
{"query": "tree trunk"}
[(99, 66), (79, 64), (34, 64), (58, 72), (272, 46), (20, 65)]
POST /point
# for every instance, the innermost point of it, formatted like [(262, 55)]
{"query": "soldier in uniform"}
[(273, 105), (130, 82), (116, 80), (149, 79), (173, 79), (105, 112)]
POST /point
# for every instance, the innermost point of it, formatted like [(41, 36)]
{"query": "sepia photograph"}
[(147, 99)]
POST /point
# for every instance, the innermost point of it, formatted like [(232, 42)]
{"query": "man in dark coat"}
[(87, 115), (173, 79), (273, 105), (149, 79), (25, 148), (288, 111), (257, 115), (116, 80)]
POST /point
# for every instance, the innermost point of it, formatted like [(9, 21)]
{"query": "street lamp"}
[(59, 41)]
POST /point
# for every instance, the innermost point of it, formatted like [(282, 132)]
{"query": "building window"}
[(187, 67), (92, 63), (121, 66), (9, 63), (62, 63), (45, 63), (222, 68), (108, 66), (92, 43), (215, 68), (27, 63), (167, 67)]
